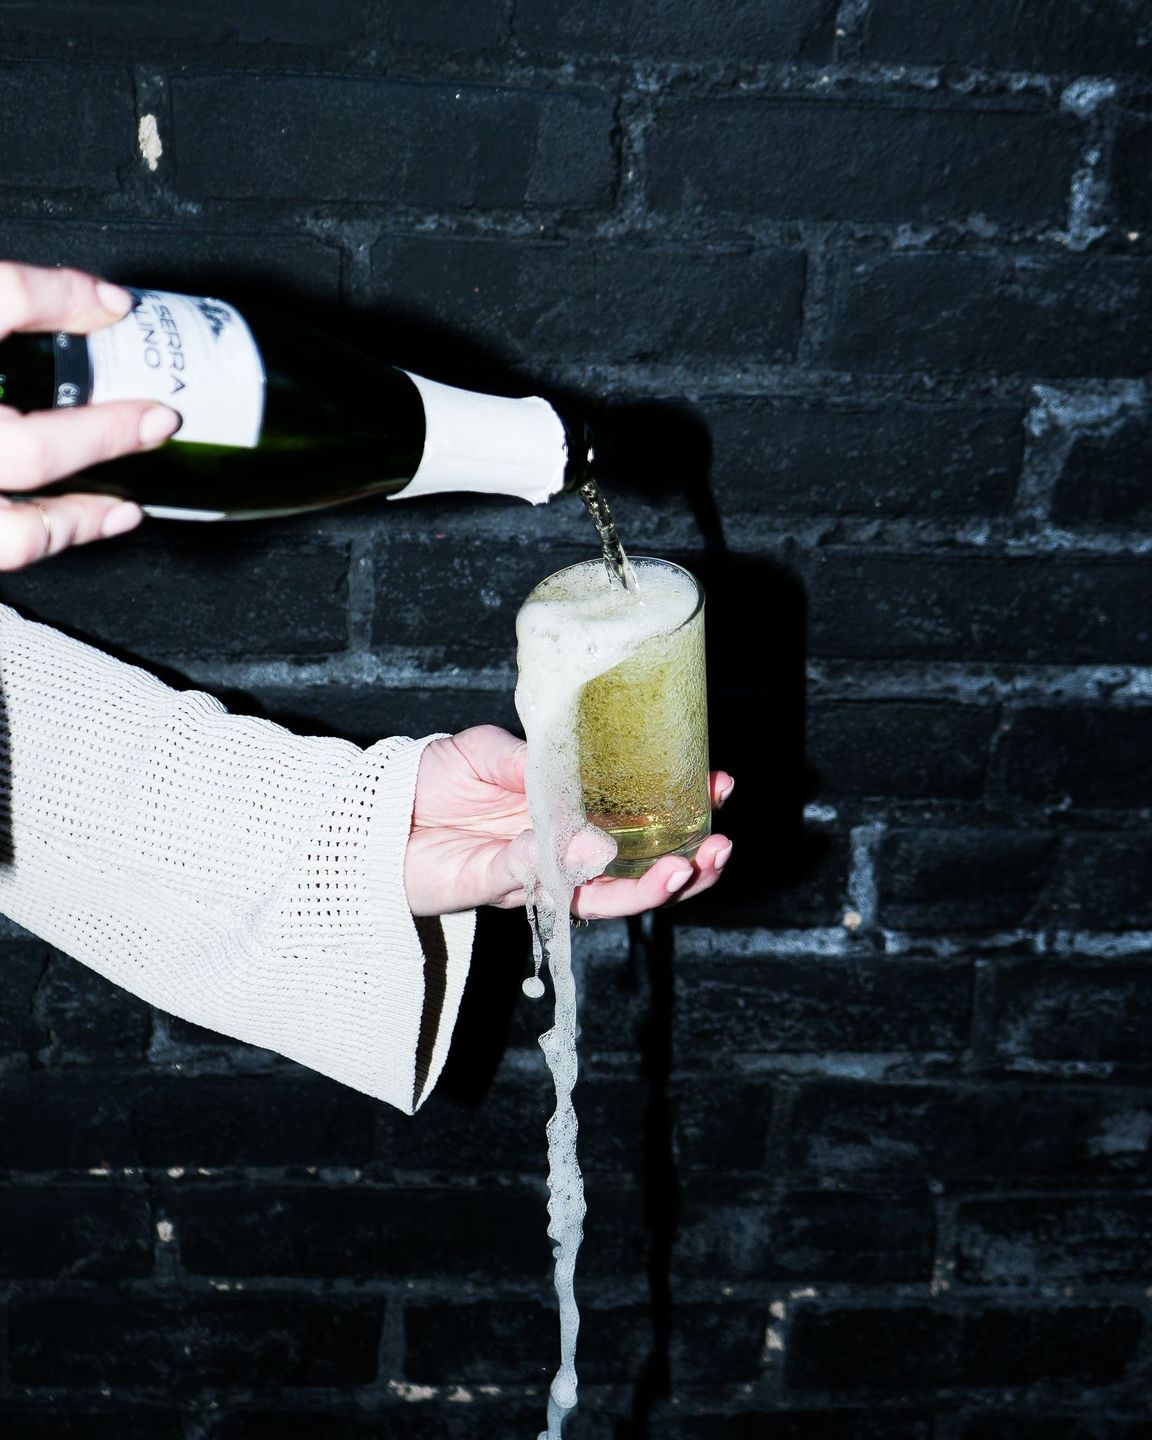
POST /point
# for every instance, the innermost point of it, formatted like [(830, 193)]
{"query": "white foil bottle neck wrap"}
[(487, 443)]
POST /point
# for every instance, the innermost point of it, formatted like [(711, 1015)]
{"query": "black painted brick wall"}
[(861, 293)]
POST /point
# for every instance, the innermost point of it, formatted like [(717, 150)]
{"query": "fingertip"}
[(677, 878), (157, 424), (590, 852), (120, 519), (115, 299)]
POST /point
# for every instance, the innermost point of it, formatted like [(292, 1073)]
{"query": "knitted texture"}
[(221, 868)]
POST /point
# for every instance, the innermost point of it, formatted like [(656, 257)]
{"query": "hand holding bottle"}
[(470, 826), (46, 446)]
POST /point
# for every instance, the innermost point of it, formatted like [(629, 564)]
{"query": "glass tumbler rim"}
[(656, 559)]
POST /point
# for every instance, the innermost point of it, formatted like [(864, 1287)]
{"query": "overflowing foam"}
[(574, 626)]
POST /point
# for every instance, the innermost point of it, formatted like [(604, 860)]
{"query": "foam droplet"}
[(533, 987), (563, 1389)]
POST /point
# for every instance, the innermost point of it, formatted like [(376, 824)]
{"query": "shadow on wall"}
[(414, 341), (756, 622)]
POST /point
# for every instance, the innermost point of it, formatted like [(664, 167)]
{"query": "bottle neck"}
[(494, 445), (579, 450)]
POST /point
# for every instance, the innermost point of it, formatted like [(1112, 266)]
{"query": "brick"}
[(239, 590), (906, 750), (594, 300), (918, 1347), (86, 1016), (748, 31), (59, 1121), (407, 1420), (1034, 315), (1072, 36), (616, 1230), (1054, 1240), (1028, 1345), (502, 1131), (842, 1130), (615, 1005), (514, 1341), (611, 1126), (194, 1342), (1103, 882), (285, 22), (722, 1124), (839, 1424), (983, 1425), (1132, 172), (57, 1423), (1104, 478), (238, 1230), (1083, 757), (460, 596), (1081, 1011), (769, 1006), (22, 966), (195, 261), (505, 1130), (780, 874), (66, 129), (83, 1232), (364, 714), (782, 457), (981, 608), (739, 1231), (827, 160), (901, 1349), (719, 1342), (446, 27), (439, 146), (963, 879)]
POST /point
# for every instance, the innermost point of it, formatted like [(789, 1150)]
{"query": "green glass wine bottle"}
[(278, 419)]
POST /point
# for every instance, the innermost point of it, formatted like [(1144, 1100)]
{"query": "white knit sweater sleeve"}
[(221, 868)]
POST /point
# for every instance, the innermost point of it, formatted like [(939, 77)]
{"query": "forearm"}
[(232, 873)]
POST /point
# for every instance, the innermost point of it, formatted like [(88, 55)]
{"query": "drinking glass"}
[(642, 726)]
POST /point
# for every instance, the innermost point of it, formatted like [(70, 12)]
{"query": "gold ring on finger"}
[(49, 529)]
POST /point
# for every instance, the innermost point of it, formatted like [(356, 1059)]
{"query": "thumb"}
[(586, 854), (589, 853), (522, 860)]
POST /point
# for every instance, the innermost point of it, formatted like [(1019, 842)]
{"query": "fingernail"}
[(678, 880), (115, 300), (120, 518), (724, 794), (158, 424), (721, 858)]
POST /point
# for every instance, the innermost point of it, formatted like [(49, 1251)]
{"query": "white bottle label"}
[(487, 443), (196, 355)]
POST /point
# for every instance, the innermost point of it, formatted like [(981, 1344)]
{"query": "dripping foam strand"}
[(574, 626)]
